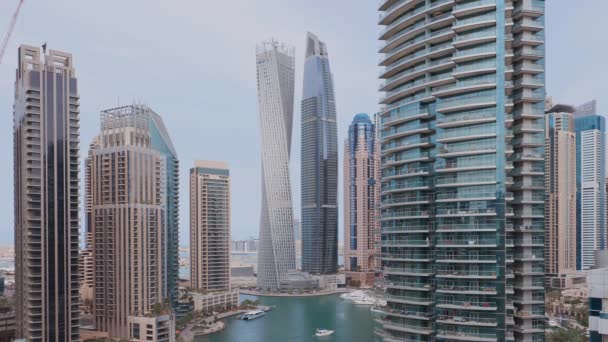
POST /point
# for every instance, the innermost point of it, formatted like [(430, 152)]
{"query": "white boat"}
[(323, 332), (250, 315)]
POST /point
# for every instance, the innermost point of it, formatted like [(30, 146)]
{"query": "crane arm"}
[(9, 33)]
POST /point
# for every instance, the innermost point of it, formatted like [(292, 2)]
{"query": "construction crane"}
[(9, 33)]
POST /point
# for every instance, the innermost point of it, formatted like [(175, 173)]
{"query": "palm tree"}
[(568, 335)]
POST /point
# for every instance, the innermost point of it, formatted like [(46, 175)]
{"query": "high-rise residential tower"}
[(129, 224), (46, 203), (319, 163), (560, 195), (590, 187), (210, 226), (275, 74), (361, 201), (462, 160)]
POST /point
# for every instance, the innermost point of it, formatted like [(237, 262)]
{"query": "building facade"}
[(560, 196), (156, 328), (597, 280), (275, 75), (128, 214), (462, 162), (46, 203), (361, 201), (319, 165), (210, 226), (591, 187), (161, 142)]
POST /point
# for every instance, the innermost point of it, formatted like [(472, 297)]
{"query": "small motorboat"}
[(323, 332)]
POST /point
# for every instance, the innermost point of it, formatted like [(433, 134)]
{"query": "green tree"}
[(568, 335)]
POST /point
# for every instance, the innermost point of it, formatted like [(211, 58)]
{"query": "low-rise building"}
[(331, 282), (208, 303), (298, 281), (159, 328)]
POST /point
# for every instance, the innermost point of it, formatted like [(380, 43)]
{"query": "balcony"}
[(405, 172), (475, 22), (475, 321), (466, 305), (396, 9), (411, 271), (466, 336), (465, 273), (405, 242), (409, 257), (465, 212), (468, 290), (406, 299)]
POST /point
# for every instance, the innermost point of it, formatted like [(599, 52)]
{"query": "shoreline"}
[(310, 294)]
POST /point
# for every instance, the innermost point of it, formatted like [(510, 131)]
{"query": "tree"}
[(568, 335)]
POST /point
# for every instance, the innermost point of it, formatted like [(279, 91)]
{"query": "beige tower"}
[(128, 208), (210, 226), (46, 149), (560, 195), (361, 202)]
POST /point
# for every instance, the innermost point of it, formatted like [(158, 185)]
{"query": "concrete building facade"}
[(462, 162), (128, 213), (319, 165), (46, 189), (361, 201), (560, 196), (210, 226), (275, 80)]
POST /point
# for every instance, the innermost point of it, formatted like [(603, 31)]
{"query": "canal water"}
[(295, 319)]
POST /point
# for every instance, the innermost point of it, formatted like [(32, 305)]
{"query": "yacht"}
[(323, 332), (250, 315)]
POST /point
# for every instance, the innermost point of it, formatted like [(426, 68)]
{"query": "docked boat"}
[(323, 332), (251, 315)]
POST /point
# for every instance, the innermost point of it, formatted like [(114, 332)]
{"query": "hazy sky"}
[(193, 62)]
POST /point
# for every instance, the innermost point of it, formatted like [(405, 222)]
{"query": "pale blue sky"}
[(194, 63)]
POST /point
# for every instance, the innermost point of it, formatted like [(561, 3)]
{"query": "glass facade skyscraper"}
[(463, 164), (319, 163), (161, 142), (275, 75), (46, 135), (591, 188)]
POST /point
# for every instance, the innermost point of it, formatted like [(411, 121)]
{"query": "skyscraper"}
[(210, 226), (590, 187), (319, 163), (560, 195), (463, 151), (161, 142), (275, 74), (361, 201), (128, 212), (46, 147)]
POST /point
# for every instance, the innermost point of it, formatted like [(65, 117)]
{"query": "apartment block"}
[(210, 226)]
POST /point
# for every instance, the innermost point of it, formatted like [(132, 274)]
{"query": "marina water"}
[(295, 319)]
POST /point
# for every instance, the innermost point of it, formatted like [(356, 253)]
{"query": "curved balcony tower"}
[(462, 134)]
